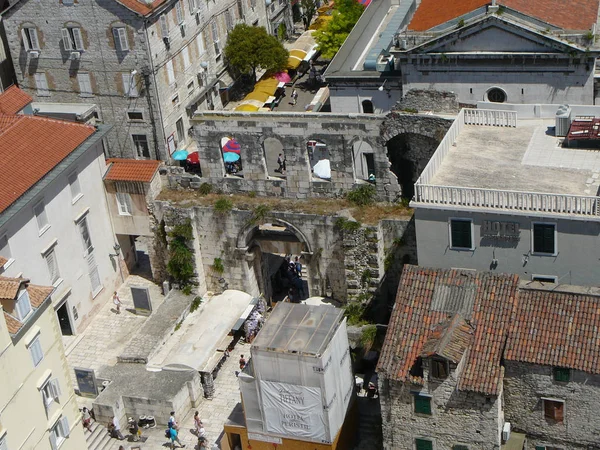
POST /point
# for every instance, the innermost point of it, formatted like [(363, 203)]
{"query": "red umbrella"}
[(365, 3), (193, 158), (232, 146), (282, 77)]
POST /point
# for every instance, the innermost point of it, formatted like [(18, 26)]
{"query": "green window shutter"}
[(540, 447), (461, 233), (543, 238), (424, 444), (562, 374), (460, 447), (422, 404)]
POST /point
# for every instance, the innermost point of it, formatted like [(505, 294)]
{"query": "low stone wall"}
[(428, 100)]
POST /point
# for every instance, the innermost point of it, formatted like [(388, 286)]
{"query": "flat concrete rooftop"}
[(528, 158)]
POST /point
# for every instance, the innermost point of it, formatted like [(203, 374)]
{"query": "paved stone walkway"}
[(105, 338)]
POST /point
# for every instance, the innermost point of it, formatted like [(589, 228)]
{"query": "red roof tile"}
[(570, 15), (14, 100), (131, 169), (3, 261), (9, 287), (37, 295), (449, 339), (30, 147), (427, 297), (144, 8), (556, 329)]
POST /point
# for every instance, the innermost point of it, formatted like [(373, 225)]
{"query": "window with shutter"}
[(67, 42), (94, 275), (85, 85), (41, 83), (460, 234), (30, 38), (74, 186), (53, 440), (544, 238), (164, 26), (52, 264), (51, 392), (200, 44), (186, 57), (215, 38), (192, 5), (422, 404), (77, 38), (86, 239), (23, 305), (179, 12), (124, 203), (121, 42), (129, 85), (35, 350), (423, 444), (561, 374), (64, 427), (554, 410), (40, 215), (439, 368), (170, 73)]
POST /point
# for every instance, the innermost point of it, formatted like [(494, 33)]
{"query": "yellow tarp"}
[(268, 86), (301, 54), (246, 107)]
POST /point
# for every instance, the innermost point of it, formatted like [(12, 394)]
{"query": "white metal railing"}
[(490, 117), (508, 200)]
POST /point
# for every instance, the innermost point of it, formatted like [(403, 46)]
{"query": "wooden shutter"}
[(93, 272), (52, 266), (25, 39), (77, 39), (63, 423), (53, 442), (423, 444), (179, 11), (548, 239), (461, 233), (422, 404), (186, 57), (559, 411), (67, 39), (123, 42), (35, 43), (164, 26)]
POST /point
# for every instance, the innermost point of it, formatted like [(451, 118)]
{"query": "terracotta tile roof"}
[(14, 100), (9, 287), (449, 339), (3, 261), (12, 324), (570, 15), (37, 294), (144, 8), (556, 329), (30, 147), (131, 169), (428, 297)]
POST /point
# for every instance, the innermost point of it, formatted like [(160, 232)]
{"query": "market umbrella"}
[(180, 155), (365, 3), (193, 158), (230, 157), (322, 169), (282, 77), (232, 146)]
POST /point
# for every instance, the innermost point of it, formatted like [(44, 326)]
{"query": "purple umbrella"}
[(232, 146)]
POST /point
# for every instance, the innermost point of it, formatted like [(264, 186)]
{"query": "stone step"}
[(97, 439)]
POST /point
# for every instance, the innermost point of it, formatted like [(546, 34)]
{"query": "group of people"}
[(292, 271), (172, 431), (233, 167), (281, 164)]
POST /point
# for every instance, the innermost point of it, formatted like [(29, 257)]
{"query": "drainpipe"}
[(148, 74)]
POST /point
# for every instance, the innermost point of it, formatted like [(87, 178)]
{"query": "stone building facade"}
[(147, 66), (356, 146), (479, 360)]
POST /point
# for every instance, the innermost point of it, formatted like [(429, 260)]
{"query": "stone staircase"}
[(99, 438), (369, 424)]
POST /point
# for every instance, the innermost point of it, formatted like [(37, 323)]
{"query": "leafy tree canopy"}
[(310, 8), (345, 15), (250, 48)]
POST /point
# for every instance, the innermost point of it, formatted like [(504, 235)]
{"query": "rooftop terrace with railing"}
[(491, 159)]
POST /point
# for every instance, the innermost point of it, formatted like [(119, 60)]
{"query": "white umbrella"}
[(322, 169)]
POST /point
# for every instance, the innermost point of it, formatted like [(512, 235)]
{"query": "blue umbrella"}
[(230, 157), (180, 155)]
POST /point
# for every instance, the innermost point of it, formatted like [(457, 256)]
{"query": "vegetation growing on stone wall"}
[(218, 266), (195, 304), (368, 335), (259, 214), (347, 225), (181, 258), (223, 205), (365, 277), (205, 189), (354, 312), (363, 195)]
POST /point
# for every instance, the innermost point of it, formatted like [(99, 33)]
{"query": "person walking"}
[(242, 362), (280, 163), (116, 429), (86, 419), (298, 267), (117, 302), (175, 438), (198, 423), (172, 422), (294, 97)]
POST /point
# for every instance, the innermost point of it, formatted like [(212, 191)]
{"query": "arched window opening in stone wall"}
[(232, 157), (275, 158), (319, 159), (364, 162)]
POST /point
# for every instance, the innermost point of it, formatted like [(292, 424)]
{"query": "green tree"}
[(309, 7), (345, 15), (250, 48)]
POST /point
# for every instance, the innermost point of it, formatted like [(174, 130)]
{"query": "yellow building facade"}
[(38, 409)]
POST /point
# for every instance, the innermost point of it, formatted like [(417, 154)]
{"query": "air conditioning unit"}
[(75, 55), (167, 42), (506, 432), (198, 18), (34, 54), (182, 29)]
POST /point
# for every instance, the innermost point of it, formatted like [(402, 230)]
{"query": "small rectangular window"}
[(423, 444), (129, 85), (23, 305), (94, 274), (164, 26), (200, 44), (40, 215), (215, 38), (554, 410), (170, 73), (72, 39), (140, 143), (561, 374), (228, 20), (544, 278), (191, 86), (30, 38), (59, 432), (186, 58), (460, 234), (439, 368), (544, 238), (180, 130), (85, 85), (5, 248), (121, 42), (74, 186), (460, 447), (175, 100), (124, 203), (422, 404), (135, 115), (35, 350), (41, 83), (240, 9), (52, 264), (51, 392), (179, 12)]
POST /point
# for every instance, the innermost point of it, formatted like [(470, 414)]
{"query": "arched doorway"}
[(272, 249), (409, 153), (367, 107)]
